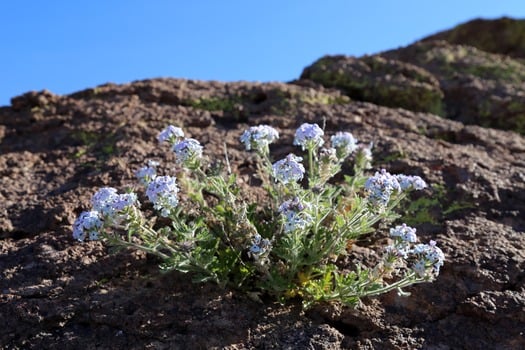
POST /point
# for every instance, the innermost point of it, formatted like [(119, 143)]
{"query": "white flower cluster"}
[(425, 259), (259, 137), (110, 204), (404, 233), (295, 216), (170, 134), (344, 144), (380, 187), (309, 136), (288, 169), (407, 182), (319, 216), (163, 191), (428, 259), (187, 151), (147, 173), (88, 224), (259, 246), (112, 208), (109, 207)]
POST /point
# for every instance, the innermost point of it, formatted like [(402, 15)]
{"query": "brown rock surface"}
[(59, 294), (479, 88), (505, 35), (473, 73)]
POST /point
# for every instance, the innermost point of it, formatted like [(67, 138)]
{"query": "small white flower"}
[(328, 155), (397, 251), (309, 136), (259, 137), (344, 143), (430, 255), (147, 173), (162, 192), (124, 201), (288, 169), (296, 221), (88, 222), (363, 156), (295, 217), (110, 204), (405, 233), (187, 151), (380, 187), (294, 205), (411, 182), (419, 267), (170, 134), (103, 200), (259, 246)]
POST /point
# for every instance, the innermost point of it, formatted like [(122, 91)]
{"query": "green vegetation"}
[(432, 209), (378, 80), (216, 104), (279, 101), (104, 145)]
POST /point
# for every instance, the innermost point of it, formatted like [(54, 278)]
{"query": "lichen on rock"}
[(379, 80)]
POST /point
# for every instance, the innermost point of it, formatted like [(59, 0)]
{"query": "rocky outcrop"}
[(388, 82), (479, 87), (505, 36), (457, 81), (56, 150)]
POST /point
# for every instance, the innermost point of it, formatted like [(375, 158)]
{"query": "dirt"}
[(56, 293)]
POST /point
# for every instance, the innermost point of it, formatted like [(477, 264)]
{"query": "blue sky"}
[(67, 45)]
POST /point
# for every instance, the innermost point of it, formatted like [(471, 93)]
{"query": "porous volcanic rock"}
[(55, 151)]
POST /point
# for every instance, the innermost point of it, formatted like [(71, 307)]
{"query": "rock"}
[(479, 87), (378, 80), (456, 81), (473, 73), (55, 151), (33, 99), (504, 36), (474, 209)]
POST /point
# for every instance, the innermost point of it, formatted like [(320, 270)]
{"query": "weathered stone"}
[(480, 88), (505, 36), (473, 208), (376, 79)]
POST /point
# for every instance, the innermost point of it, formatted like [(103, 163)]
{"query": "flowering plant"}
[(290, 247)]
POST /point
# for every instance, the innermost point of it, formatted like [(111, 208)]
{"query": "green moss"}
[(482, 88), (510, 72), (215, 104), (321, 99), (103, 145), (504, 36), (517, 112), (446, 61), (278, 101), (413, 98), (390, 157), (289, 101), (421, 211), (377, 80)]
